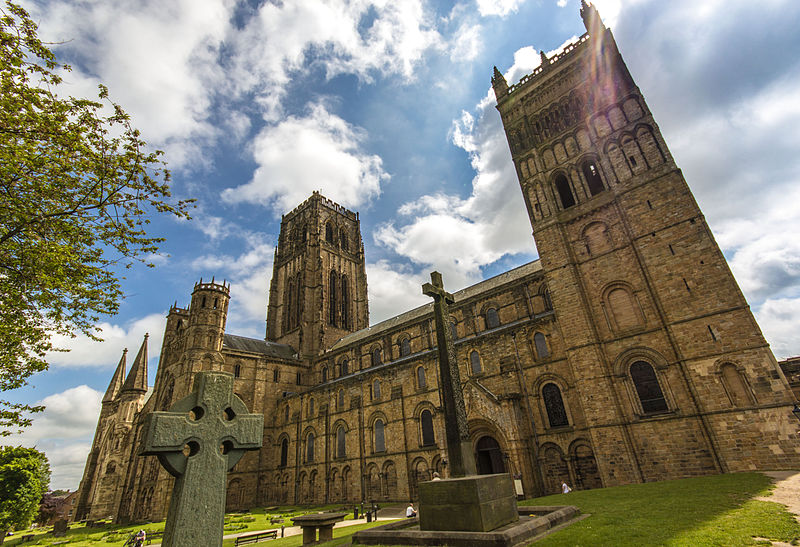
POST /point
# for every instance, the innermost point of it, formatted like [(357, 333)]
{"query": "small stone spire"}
[(591, 19), (116, 381), (545, 60), (499, 84), (137, 377)]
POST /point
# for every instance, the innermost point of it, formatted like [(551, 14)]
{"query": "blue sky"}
[(385, 107)]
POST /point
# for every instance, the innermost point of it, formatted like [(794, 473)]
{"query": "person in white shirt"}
[(410, 512), (565, 489)]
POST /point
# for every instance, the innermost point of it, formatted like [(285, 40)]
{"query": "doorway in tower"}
[(488, 456)]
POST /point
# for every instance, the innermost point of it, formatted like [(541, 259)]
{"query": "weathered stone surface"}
[(60, 528), (459, 447), (629, 273), (533, 523), (198, 440), (479, 503)]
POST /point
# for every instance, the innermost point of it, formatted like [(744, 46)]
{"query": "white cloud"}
[(460, 236), (778, 319), (159, 60), (87, 353), (393, 289), (359, 37), (64, 432), (561, 3), (498, 7), (249, 274), (318, 152)]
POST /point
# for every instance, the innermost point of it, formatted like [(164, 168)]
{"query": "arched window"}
[(328, 232), (426, 425), (376, 390), (592, 176), (475, 362), (375, 357), (556, 413), (237, 371), (623, 308), (344, 367), (299, 379), (492, 319), (453, 330), (548, 303), (284, 452), (341, 447), (647, 388), (380, 441), (343, 239), (564, 192), (304, 233), (167, 400), (311, 407), (345, 316), (340, 400), (310, 447), (275, 375), (405, 346), (290, 306), (332, 298), (111, 468), (286, 414), (737, 390), (324, 374), (421, 383), (541, 345)]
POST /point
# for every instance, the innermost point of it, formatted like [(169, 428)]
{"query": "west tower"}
[(318, 292), (658, 335)]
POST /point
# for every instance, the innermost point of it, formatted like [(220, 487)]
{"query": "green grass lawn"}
[(717, 510)]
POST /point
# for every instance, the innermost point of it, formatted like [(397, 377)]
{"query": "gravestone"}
[(198, 440), (466, 501), (60, 528)]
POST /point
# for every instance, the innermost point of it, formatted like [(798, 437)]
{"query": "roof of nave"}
[(262, 347), (468, 292)]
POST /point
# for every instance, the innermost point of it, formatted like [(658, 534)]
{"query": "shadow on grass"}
[(715, 510)]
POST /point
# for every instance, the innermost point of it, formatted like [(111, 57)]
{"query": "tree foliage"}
[(24, 477), (78, 187)]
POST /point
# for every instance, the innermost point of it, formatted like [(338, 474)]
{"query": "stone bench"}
[(26, 537), (319, 521), (255, 537)]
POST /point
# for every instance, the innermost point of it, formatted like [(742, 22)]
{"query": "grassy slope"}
[(716, 510)]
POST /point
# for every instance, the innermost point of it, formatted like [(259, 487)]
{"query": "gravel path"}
[(787, 492)]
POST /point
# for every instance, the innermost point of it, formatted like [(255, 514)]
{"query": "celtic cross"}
[(459, 447), (198, 441)]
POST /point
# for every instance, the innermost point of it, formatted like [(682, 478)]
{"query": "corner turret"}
[(208, 313), (499, 84), (591, 19)]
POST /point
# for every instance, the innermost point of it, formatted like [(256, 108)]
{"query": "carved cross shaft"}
[(198, 441), (459, 447)]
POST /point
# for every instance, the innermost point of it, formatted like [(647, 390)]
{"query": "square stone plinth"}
[(478, 503), (321, 521)]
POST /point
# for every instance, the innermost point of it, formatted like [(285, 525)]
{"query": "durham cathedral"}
[(626, 353)]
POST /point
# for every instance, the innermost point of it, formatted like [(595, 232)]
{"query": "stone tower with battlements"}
[(646, 303), (318, 292)]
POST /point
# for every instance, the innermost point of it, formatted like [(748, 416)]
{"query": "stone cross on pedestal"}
[(459, 448), (198, 441)]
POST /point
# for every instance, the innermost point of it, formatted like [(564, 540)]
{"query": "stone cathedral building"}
[(626, 353)]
